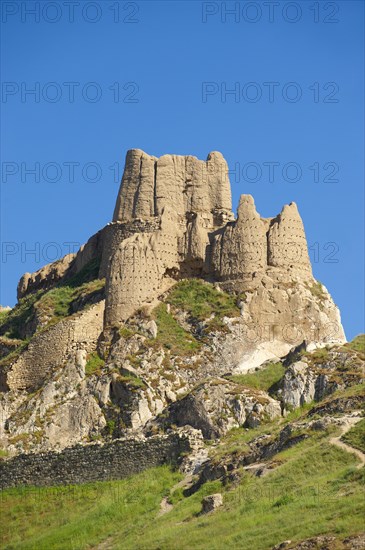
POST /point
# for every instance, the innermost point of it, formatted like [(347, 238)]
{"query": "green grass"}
[(94, 364), (201, 300), (58, 300), (356, 436), (357, 344), (262, 379), (131, 380), (3, 316), (11, 324), (171, 335), (55, 302), (315, 481)]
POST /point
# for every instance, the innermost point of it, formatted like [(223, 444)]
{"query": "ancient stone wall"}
[(93, 462), (183, 183), (172, 220), (100, 246), (115, 233), (50, 348), (139, 270), (253, 245), (240, 249), (287, 243)]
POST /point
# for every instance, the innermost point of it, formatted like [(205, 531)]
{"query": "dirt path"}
[(165, 506), (349, 422)]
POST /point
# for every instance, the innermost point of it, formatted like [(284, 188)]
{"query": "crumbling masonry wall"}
[(93, 462), (49, 349)]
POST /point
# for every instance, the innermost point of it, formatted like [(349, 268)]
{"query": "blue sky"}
[(155, 76)]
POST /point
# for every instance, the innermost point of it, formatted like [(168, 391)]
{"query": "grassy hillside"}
[(356, 436), (313, 480)]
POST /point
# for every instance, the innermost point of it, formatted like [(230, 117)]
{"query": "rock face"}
[(194, 234), (317, 376), (172, 221), (219, 405)]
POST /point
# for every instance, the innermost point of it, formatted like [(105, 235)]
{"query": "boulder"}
[(211, 503)]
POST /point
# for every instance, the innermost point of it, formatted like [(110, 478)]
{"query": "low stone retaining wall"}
[(92, 462)]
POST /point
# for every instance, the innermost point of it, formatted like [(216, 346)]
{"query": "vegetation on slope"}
[(313, 480), (94, 364), (356, 436), (201, 300), (39, 310), (357, 344), (11, 324), (261, 379), (171, 335)]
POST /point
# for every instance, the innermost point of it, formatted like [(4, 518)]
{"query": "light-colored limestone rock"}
[(218, 405), (173, 221), (211, 503)]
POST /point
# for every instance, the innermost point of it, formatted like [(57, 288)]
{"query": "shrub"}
[(94, 364), (131, 380)]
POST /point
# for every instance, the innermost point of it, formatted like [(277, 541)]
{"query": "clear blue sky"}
[(158, 55)]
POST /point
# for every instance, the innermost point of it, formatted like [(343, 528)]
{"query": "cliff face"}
[(172, 222), (197, 236)]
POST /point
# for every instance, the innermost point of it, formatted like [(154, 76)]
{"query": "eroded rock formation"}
[(173, 221)]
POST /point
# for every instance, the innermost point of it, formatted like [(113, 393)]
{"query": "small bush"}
[(110, 426), (94, 364)]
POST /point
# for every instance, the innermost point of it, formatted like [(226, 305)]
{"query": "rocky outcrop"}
[(320, 374), (211, 503), (173, 221), (325, 542), (217, 406)]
